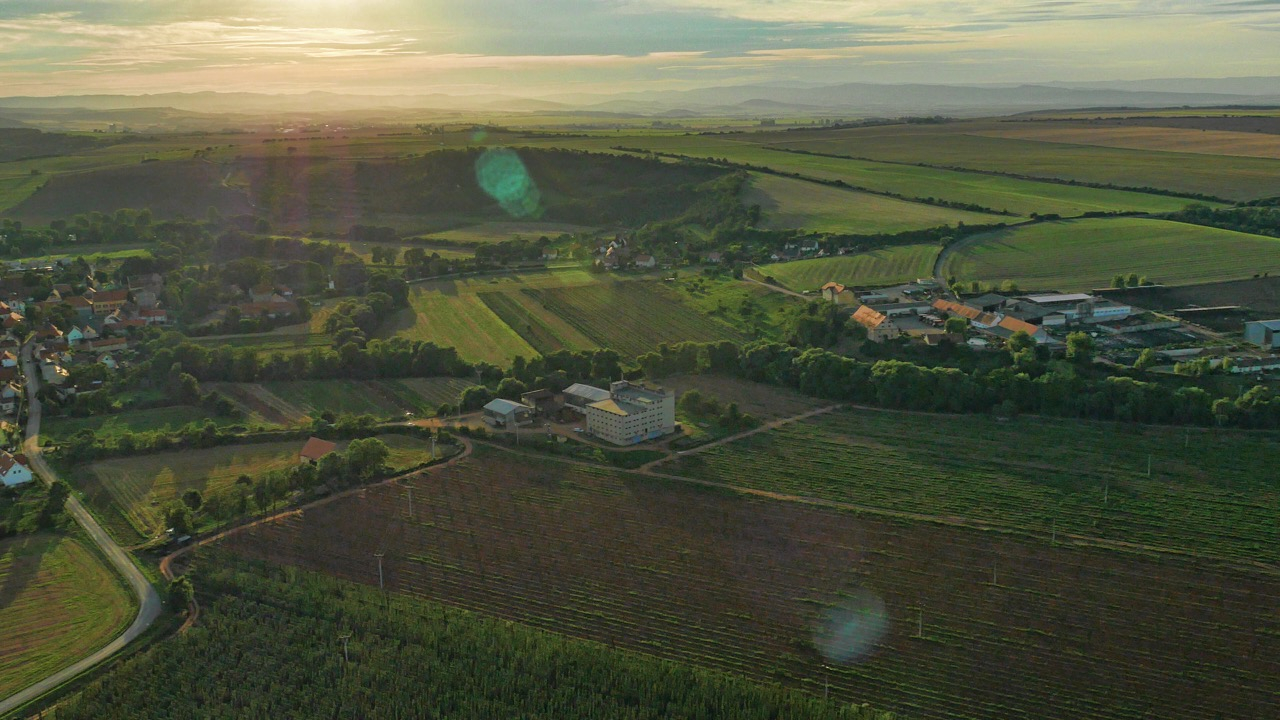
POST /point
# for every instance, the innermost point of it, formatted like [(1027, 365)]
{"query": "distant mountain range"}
[(843, 100)]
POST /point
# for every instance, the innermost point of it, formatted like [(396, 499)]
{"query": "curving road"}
[(149, 605)]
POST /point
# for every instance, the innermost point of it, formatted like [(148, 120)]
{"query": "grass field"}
[(105, 426), (58, 603), (752, 309), (887, 266), (789, 203), (747, 584), (1084, 254), (1210, 493), (545, 331), (958, 145), (1015, 195), (632, 317)]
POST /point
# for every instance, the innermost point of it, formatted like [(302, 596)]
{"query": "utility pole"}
[(433, 451), (379, 556), (1054, 539), (411, 497), (920, 621), (345, 639), (1106, 491), (994, 577), (1148, 464)]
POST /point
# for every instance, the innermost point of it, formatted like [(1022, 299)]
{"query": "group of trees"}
[(1129, 281), (1068, 388), (1260, 219), (693, 404)]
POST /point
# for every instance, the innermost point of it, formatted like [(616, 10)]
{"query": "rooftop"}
[(317, 448), (1059, 298), (505, 407), (594, 394)]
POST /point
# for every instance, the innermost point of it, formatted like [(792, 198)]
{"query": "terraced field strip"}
[(1086, 254), (462, 321), (492, 232), (1163, 139), (886, 266), (996, 192), (271, 343), (543, 330), (631, 317), (139, 487), (256, 399), (58, 603), (1211, 493), (338, 396), (744, 585), (789, 203), (958, 145)]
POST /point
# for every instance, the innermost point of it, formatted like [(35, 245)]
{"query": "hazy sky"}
[(539, 47)]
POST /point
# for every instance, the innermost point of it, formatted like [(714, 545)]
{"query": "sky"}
[(540, 48)]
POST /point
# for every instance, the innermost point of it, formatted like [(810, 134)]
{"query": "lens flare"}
[(851, 631), (502, 175)]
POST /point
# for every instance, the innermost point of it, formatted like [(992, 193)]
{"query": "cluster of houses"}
[(616, 256), (267, 301), (625, 414), (920, 310)]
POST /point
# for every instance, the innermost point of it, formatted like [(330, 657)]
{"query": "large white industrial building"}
[(632, 414)]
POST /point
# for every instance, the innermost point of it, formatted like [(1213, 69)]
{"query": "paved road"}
[(149, 606)]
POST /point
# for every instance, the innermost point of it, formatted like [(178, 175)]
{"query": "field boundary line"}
[(771, 425)]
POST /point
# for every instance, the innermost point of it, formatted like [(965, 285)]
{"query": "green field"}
[(632, 317), (129, 494), (1210, 493), (285, 341), (996, 192), (104, 426), (887, 266), (953, 145), (752, 309), (1084, 254), (460, 321), (58, 603), (788, 203)]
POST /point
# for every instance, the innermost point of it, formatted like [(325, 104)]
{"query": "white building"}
[(13, 471), (632, 414)]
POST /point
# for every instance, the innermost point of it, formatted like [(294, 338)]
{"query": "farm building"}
[(505, 413), (879, 326), (632, 414), (13, 469), (579, 396), (315, 448), (1060, 309), (544, 402), (1247, 365), (1263, 333)]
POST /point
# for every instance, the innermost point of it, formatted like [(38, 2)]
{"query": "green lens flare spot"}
[(502, 174)]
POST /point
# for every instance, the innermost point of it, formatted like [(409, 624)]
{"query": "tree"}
[(1080, 347), (54, 503), (1146, 359), (181, 593), (1019, 341), (193, 499), (178, 518), (957, 325), (1132, 280), (367, 457), (1118, 281)]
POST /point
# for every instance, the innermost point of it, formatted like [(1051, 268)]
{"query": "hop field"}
[(980, 624)]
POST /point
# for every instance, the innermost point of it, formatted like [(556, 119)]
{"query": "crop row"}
[(742, 584), (1212, 496)]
